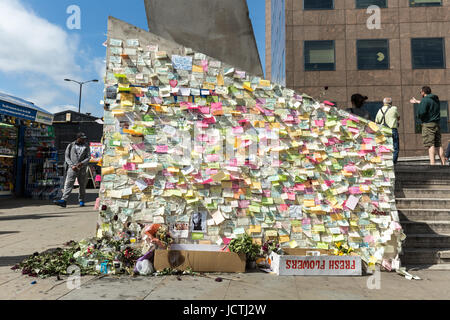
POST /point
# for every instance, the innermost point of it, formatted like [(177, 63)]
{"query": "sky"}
[(38, 51)]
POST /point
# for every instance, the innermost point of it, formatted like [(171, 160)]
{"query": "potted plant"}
[(244, 244)]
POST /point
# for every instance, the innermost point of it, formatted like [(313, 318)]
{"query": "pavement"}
[(28, 226)]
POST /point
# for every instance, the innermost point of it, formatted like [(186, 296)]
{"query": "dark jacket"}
[(447, 152), (430, 109)]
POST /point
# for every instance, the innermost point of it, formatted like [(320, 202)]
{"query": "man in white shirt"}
[(389, 117)]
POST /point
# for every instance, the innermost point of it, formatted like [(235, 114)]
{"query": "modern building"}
[(338, 44), (204, 25)]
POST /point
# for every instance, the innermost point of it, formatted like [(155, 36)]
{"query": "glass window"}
[(425, 3), (444, 118), (372, 54), (373, 108), (364, 4), (318, 4), (427, 53), (319, 55)]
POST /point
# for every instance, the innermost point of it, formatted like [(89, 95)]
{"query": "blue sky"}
[(41, 51)]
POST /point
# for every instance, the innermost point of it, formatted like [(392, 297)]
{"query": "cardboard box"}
[(206, 260), (306, 252), (324, 265)]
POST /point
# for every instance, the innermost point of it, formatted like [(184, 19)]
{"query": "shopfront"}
[(28, 157)]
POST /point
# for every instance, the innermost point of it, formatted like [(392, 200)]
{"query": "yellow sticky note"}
[(293, 244), (309, 203), (255, 229), (318, 228), (284, 239), (197, 69), (374, 126)]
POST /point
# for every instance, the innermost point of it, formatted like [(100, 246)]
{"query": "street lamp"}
[(79, 101)]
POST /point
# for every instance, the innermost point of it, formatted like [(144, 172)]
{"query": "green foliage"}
[(244, 244)]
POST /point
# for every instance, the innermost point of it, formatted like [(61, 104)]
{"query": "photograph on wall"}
[(198, 222), (179, 230)]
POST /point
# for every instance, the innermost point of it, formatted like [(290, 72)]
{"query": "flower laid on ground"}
[(87, 255), (342, 250)]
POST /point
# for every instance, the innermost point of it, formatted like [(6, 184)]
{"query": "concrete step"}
[(426, 227), (416, 203), (408, 168), (422, 193), (431, 267), (420, 240), (429, 256), (424, 184), (424, 214)]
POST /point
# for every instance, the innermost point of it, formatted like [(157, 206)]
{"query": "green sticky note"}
[(197, 236), (322, 245)]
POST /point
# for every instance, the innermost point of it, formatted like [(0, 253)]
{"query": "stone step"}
[(418, 203), (422, 193), (424, 214), (429, 256), (405, 168), (420, 240), (426, 227), (431, 267), (425, 184)]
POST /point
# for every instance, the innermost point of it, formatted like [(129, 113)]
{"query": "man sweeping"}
[(78, 155)]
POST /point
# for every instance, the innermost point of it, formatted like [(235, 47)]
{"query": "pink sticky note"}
[(353, 130), (162, 149), (212, 157), (129, 166), (319, 123), (97, 204), (306, 221), (283, 207), (211, 120), (354, 190), (205, 110), (216, 106), (205, 65), (291, 196), (299, 187), (243, 204), (383, 149), (238, 130), (140, 146)]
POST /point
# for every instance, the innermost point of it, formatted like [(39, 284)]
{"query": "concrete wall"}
[(204, 25)]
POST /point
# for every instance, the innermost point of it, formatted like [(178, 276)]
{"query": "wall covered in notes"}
[(213, 152)]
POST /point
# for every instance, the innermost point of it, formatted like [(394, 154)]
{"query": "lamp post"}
[(79, 101)]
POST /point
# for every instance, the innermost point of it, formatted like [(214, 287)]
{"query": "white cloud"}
[(39, 55), (32, 44)]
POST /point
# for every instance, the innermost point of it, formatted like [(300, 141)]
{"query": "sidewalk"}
[(27, 226)]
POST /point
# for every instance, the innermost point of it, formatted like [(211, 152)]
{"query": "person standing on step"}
[(430, 115), (78, 155), (357, 108), (447, 152), (389, 117)]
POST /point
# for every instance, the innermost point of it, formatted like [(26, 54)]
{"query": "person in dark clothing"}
[(447, 152), (358, 106), (430, 115)]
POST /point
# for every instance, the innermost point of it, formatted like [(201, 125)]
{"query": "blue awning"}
[(22, 109)]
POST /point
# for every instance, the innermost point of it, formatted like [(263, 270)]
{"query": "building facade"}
[(391, 50)]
